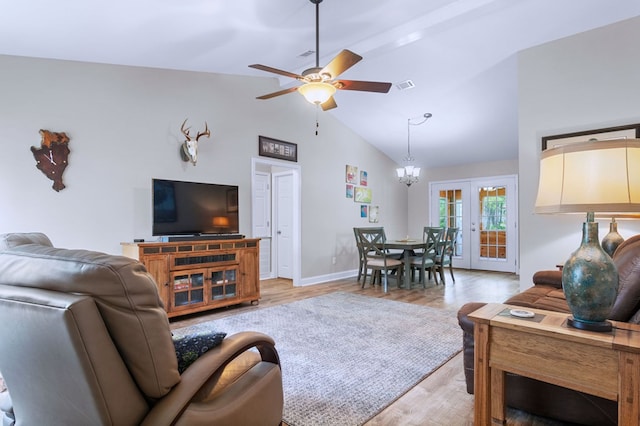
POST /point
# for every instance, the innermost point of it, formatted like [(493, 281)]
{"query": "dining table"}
[(407, 245)]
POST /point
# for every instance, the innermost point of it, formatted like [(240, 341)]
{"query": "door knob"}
[(279, 232)]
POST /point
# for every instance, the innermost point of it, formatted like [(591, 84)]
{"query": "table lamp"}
[(590, 177)]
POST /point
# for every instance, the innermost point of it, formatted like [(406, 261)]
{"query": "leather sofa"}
[(84, 339), (552, 401)]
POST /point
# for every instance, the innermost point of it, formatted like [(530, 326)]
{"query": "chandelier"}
[(410, 174)]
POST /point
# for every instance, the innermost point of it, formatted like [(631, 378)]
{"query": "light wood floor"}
[(441, 398)]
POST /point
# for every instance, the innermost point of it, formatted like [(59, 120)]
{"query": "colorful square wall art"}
[(363, 211), (352, 174), (349, 192), (362, 195), (373, 214), (363, 178)]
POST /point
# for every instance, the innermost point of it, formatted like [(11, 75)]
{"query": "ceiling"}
[(459, 54)]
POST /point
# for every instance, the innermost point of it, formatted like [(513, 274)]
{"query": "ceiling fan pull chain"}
[(317, 124)]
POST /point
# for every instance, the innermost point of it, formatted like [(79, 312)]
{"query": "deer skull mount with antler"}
[(189, 148)]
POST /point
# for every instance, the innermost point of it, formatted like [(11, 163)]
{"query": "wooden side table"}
[(546, 349)]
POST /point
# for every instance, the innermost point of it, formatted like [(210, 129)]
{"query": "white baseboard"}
[(319, 279)]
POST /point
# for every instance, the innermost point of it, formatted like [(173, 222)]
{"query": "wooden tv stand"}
[(195, 276)]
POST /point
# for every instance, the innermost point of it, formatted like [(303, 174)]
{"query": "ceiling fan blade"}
[(278, 93), (363, 86), (276, 71), (329, 104), (342, 62)]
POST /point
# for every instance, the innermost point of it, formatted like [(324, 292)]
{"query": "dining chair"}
[(425, 258), (446, 252), (376, 257), (360, 248)]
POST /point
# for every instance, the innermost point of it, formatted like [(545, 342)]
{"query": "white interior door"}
[(261, 212), (485, 210), (262, 205), (265, 219), (283, 193)]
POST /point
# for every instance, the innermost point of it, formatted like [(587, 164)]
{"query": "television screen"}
[(192, 208)]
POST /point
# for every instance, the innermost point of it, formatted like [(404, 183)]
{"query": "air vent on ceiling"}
[(404, 85), (307, 53)]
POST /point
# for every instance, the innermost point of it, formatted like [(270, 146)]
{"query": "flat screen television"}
[(193, 208)]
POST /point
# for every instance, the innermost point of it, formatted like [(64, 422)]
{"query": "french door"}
[(485, 211)]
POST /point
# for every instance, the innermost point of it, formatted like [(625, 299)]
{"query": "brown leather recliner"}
[(85, 340), (548, 400)]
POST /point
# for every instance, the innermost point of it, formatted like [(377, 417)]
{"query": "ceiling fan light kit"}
[(317, 93), (320, 84)]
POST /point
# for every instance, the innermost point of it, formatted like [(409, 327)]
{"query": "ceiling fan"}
[(320, 84)]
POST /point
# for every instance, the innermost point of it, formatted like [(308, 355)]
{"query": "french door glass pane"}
[(451, 213), (493, 222)]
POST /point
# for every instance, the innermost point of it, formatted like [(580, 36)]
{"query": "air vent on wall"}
[(404, 85), (307, 53)]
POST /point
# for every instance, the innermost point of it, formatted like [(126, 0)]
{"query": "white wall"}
[(124, 128), (583, 82)]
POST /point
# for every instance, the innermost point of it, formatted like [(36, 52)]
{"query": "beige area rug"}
[(346, 357)]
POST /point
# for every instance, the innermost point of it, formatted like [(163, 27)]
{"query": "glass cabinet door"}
[(188, 288), (223, 283)]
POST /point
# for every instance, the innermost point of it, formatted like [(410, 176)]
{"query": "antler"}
[(206, 132), (186, 131)]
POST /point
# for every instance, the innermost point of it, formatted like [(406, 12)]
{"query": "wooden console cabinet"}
[(195, 276)]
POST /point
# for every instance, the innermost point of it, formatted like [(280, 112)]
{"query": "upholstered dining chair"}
[(86, 341), (377, 258), (425, 258), (446, 251)]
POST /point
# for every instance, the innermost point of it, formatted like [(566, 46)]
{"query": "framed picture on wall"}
[(631, 131), (363, 178), (362, 195), (274, 148), (373, 214), (349, 191), (351, 174)]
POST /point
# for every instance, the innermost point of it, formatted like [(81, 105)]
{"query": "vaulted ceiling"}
[(460, 55)]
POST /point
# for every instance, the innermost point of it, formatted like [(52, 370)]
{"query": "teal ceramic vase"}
[(590, 282), (612, 240)]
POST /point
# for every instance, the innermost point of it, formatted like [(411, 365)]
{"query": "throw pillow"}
[(191, 346)]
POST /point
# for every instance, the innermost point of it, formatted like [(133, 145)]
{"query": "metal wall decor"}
[(52, 156)]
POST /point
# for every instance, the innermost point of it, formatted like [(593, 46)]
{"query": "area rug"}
[(345, 357)]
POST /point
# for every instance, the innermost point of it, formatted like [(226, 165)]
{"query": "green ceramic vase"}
[(590, 279), (612, 240)]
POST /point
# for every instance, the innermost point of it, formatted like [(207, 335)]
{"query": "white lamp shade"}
[(400, 172), (594, 176), (317, 93), (416, 171)]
